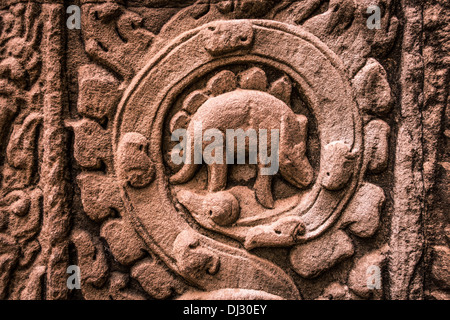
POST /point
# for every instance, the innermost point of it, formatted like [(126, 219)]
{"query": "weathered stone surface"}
[(365, 279), (91, 258), (134, 165), (362, 215), (372, 88), (222, 82), (253, 79), (89, 133), (376, 148), (323, 158), (156, 280), (98, 92), (311, 259), (441, 266), (338, 163), (99, 195), (125, 245), (337, 291)]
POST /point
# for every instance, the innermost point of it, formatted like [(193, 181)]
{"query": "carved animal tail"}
[(187, 172)]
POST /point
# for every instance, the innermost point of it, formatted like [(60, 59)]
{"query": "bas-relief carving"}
[(310, 69), (307, 222)]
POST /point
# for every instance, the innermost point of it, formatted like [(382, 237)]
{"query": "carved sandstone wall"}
[(358, 209)]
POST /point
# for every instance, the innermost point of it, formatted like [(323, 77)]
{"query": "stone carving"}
[(250, 109), (88, 177), (311, 259), (98, 92), (338, 163), (88, 133), (363, 280), (125, 41), (440, 269), (21, 122), (228, 37), (226, 102), (134, 165)]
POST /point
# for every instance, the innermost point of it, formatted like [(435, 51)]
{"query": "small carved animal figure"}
[(338, 165), (283, 232), (251, 109)]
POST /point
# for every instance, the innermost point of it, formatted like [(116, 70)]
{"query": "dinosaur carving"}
[(252, 109)]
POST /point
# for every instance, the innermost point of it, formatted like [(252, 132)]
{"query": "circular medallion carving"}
[(236, 75)]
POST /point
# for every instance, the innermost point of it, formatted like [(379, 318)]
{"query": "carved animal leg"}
[(263, 190), (217, 177), (186, 173)]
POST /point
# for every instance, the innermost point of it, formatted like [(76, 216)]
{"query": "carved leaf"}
[(365, 279), (21, 149), (312, 258), (92, 144), (373, 89), (98, 92), (376, 149), (134, 165), (91, 258), (99, 195), (156, 279), (115, 37), (125, 244), (342, 25), (282, 89), (224, 81), (362, 216)]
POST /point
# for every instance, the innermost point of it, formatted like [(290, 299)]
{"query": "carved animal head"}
[(337, 165), (294, 165), (193, 258), (227, 36)]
